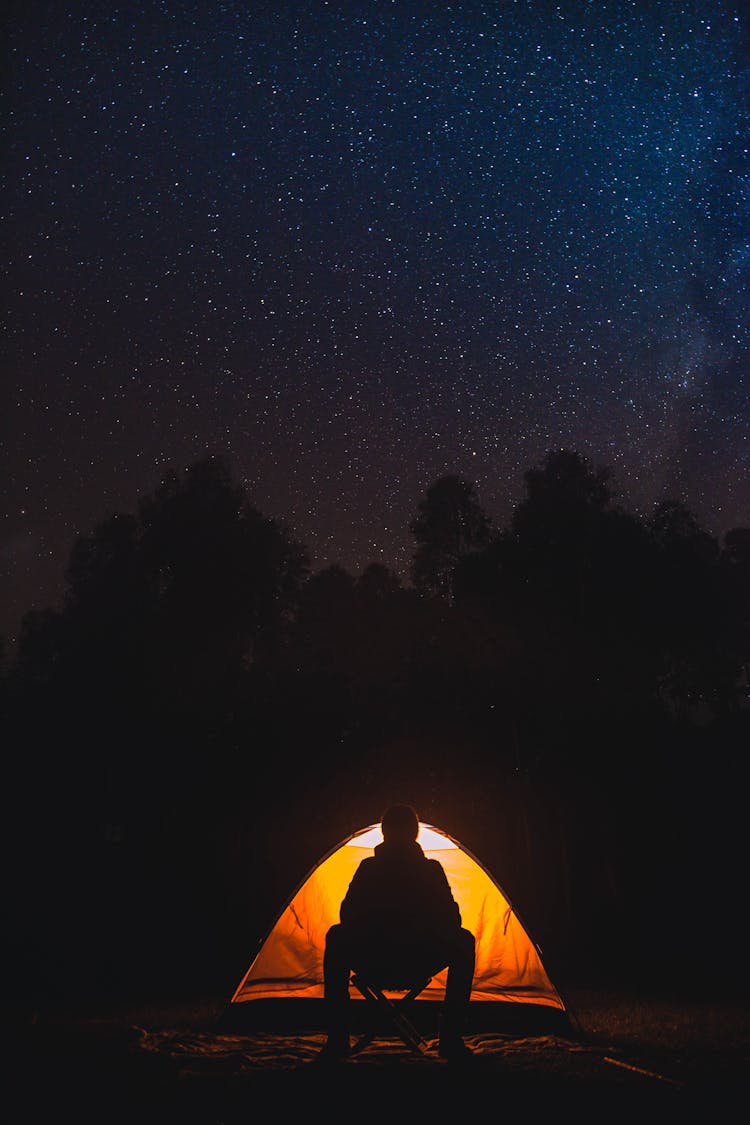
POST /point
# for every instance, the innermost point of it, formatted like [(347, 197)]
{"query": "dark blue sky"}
[(356, 246)]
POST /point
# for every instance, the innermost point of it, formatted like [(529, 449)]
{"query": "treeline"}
[(205, 716)]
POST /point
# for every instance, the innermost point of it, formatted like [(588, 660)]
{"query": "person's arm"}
[(445, 904), (350, 911)]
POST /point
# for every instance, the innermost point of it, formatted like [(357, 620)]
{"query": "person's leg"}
[(457, 994), (336, 972)]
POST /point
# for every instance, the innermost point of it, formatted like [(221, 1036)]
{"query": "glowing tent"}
[(284, 982)]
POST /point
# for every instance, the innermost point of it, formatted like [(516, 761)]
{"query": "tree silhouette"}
[(559, 522), (561, 496), (690, 612), (450, 524), (134, 698), (565, 593), (226, 578), (350, 643), (736, 567)]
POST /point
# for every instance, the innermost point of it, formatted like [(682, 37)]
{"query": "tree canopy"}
[(450, 523)]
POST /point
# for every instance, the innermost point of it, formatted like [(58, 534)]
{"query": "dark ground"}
[(172, 1064)]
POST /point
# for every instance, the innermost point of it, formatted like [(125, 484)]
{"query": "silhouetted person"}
[(399, 915)]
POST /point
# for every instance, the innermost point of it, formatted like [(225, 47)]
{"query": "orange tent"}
[(509, 978)]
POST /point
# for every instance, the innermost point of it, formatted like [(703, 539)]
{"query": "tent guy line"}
[(641, 1070)]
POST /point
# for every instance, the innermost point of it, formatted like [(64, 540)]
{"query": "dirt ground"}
[(623, 1053)]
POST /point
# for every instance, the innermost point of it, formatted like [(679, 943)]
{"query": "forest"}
[(206, 716)]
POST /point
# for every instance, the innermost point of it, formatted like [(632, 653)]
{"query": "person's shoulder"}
[(435, 866), (367, 863)]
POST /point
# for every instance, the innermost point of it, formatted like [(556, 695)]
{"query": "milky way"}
[(354, 247)]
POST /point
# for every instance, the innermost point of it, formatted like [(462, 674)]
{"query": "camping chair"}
[(387, 1011)]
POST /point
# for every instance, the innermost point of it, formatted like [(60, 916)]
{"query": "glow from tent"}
[(430, 839), (290, 961)]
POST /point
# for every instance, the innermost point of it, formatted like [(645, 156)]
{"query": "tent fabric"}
[(289, 963)]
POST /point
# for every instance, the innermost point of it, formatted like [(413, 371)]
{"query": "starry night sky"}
[(356, 246)]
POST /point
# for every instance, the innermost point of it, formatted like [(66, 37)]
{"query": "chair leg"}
[(393, 1010)]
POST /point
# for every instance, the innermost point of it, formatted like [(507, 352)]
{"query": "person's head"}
[(400, 824)]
